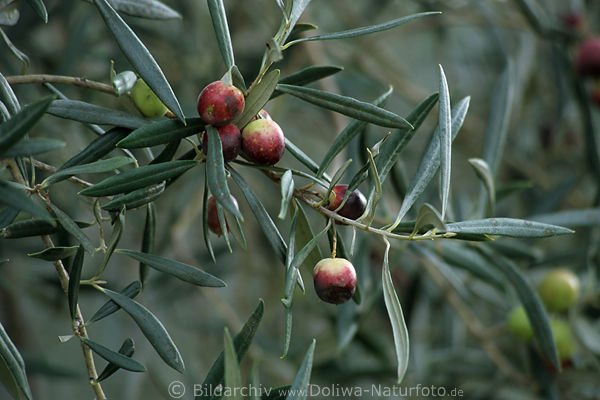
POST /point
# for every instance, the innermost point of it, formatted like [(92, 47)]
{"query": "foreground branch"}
[(65, 80)]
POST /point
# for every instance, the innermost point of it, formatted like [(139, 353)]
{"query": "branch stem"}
[(66, 80)]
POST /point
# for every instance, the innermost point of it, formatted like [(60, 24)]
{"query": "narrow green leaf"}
[(149, 9), (160, 132), (428, 217), (241, 343), (92, 114), (8, 97), (308, 248), (304, 235), (74, 278), (149, 238), (287, 325), (350, 132), (291, 272), (347, 105), (262, 217), (96, 167), (12, 197), (7, 216), (298, 7), (113, 357), (35, 227), (152, 328), (390, 151), (110, 307), (531, 302), (137, 198), (138, 178), (445, 132), (127, 349), (39, 8), (364, 30), (394, 310), (233, 376), (484, 174), (299, 388), (54, 253), (18, 125), (238, 79), (16, 52), (219, 20), (508, 227), (377, 192), (302, 157), (98, 148), (139, 56), (339, 174), (71, 227), (430, 161), (570, 218), (12, 362), (308, 75), (185, 272), (32, 147), (215, 173), (287, 192), (258, 97), (205, 222), (115, 237)]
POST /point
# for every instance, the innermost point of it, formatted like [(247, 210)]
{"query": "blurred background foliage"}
[(545, 168)]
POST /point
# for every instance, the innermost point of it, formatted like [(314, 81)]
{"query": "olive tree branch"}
[(66, 80), (79, 324)]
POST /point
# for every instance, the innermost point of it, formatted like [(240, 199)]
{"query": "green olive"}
[(146, 101), (562, 338), (518, 324), (559, 289)]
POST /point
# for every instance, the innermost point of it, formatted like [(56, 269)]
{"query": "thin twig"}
[(331, 214), (79, 326), (66, 80), (52, 169)]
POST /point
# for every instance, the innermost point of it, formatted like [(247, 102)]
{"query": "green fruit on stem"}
[(559, 289), (518, 324), (146, 101), (562, 338)]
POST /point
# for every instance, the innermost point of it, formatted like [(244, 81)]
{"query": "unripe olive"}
[(146, 101), (518, 324), (334, 280), (263, 142), (562, 338), (559, 289), (355, 204), (220, 103), (213, 216), (231, 141)]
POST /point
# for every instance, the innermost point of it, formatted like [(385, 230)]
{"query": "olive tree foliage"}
[(468, 247)]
